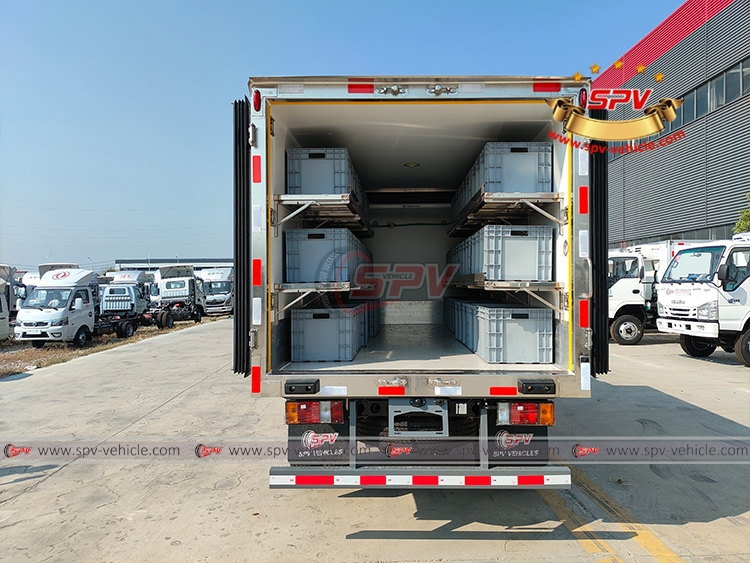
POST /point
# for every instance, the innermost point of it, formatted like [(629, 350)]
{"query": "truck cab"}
[(4, 314), (125, 299), (703, 297), (62, 308), (218, 284), (178, 295)]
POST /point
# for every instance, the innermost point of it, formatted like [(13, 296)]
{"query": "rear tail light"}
[(314, 412), (547, 414), (256, 100), (524, 413), (583, 98)]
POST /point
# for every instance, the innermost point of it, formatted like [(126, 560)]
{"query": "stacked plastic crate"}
[(337, 332)]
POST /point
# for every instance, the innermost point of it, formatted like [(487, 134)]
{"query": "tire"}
[(159, 320), (168, 321), (742, 348), (626, 330), (82, 336), (37, 343), (128, 330), (696, 347), (118, 330), (198, 315)]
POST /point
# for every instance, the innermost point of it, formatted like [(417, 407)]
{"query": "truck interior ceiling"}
[(411, 157)]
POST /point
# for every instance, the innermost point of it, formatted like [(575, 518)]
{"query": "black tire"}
[(38, 343), (742, 348), (696, 347), (198, 315), (81, 337), (168, 321), (626, 330), (118, 330), (159, 320), (128, 330)]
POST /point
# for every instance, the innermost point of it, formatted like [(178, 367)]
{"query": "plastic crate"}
[(323, 255), (326, 335), (508, 168), (322, 171), (514, 335), (511, 252)]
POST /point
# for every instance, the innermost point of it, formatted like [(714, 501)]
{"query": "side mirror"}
[(723, 272), (77, 304)]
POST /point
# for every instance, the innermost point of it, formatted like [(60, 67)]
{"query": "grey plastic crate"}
[(322, 171), (511, 252), (323, 255), (326, 335), (514, 335), (507, 168)]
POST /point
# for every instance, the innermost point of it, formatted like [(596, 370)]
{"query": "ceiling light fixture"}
[(411, 164)]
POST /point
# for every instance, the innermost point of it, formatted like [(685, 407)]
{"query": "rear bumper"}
[(400, 477), (218, 309), (701, 329)]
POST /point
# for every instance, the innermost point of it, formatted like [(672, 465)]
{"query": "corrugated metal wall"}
[(701, 180)]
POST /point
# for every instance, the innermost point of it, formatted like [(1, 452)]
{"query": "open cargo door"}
[(242, 233), (599, 244)]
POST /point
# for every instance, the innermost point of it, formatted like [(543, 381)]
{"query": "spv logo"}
[(611, 98)]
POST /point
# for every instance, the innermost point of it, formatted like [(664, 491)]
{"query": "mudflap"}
[(517, 445), (318, 444)]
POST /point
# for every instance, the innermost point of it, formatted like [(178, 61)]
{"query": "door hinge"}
[(394, 90), (253, 339), (564, 301), (271, 127), (565, 211), (252, 136)]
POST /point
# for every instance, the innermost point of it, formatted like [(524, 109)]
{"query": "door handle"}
[(89, 313)]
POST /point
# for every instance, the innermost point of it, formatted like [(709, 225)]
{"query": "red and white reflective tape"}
[(396, 480)]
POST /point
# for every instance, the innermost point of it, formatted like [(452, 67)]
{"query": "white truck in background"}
[(177, 295), (11, 289), (632, 278), (62, 308), (218, 283), (704, 297), (125, 301), (5, 331)]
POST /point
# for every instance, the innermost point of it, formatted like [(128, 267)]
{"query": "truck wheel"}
[(168, 321), (742, 348), (81, 338), (127, 329), (37, 343), (696, 347), (198, 315), (118, 331), (627, 330)]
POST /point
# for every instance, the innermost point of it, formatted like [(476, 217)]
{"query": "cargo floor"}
[(414, 348)]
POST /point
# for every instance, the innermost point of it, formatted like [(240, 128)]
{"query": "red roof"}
[(681, 23)]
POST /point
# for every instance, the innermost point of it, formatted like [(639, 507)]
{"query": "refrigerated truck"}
[(632, 277), (412, 140), (703, 297)]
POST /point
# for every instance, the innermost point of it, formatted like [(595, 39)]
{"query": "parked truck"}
[(218, 283), (11, 290), (63, 307), (703, 297), (125, 301), (177, 295), (632, 277), (408, 178), (5, 328)]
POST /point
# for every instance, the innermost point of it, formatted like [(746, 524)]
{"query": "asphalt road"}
[(178, 390)]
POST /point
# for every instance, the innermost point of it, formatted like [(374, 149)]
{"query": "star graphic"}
[(618, 64), (578, 77), (640, 69), (658, 77), (595, 69)]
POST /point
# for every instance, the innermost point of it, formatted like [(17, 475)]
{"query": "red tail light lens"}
[(524, 413), (583, 98), (337, 412), (256, 100), (315, 412)]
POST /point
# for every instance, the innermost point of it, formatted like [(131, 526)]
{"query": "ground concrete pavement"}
[(178, 388)]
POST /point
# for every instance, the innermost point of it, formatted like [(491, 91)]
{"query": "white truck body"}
[(218, 284), (632, 277), (412, 140), (62, 308), (5, 331), (704, 297), (127, 294), (178, 295)]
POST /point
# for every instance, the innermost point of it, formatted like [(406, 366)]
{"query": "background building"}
[(695, 187)]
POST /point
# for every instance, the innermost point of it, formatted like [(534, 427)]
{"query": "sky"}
[(116, 117)]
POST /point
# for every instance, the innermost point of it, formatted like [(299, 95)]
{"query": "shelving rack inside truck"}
[(432, 396)]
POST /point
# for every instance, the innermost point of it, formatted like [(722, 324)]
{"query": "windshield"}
[(217, 287), (47, 298), (175, 285), (694, 265), (620, 267)]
